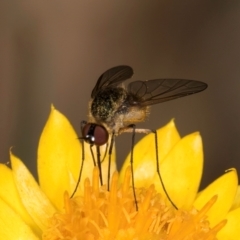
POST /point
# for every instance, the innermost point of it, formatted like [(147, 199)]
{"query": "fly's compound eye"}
[(95, 134)]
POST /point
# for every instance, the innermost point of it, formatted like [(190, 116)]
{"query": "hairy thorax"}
[(115, 109)]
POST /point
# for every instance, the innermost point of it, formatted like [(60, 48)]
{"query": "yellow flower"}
[(45, 211)]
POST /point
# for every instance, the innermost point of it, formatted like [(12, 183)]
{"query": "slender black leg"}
[(93, 158), (105, 154), (158, 171), (131, 163), (99, 164), (109, 158), (83, 158), (133, 130)]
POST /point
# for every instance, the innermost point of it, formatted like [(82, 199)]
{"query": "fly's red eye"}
[(95, 134)]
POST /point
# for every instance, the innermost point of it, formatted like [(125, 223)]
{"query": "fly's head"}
[(95, 134)]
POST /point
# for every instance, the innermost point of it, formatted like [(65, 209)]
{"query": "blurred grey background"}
[(54, 51)]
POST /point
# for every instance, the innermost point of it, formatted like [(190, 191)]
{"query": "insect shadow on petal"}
[(115, 108)]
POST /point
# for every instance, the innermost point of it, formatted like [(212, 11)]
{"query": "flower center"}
[(111, 215)]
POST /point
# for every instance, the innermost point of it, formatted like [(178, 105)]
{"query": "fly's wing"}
[(162, 90), (112, 77)]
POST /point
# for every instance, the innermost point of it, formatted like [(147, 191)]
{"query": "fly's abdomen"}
[(106, 103)]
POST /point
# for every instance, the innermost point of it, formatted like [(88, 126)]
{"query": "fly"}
[(115, 108)]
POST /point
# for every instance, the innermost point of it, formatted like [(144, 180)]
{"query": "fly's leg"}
[(109, 159), (105, 154), (83, 123), (158, 171), (133, 130), (99, 164), (93, 158), (131, 164)]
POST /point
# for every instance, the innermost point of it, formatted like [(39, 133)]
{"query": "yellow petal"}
[(12, 226), (181, 171), (225, 187), (35, 201), (236, 202), (60, 157), (9, 194), (232, 228), (145, 154)]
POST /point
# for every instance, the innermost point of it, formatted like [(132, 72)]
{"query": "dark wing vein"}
[(162, 90)]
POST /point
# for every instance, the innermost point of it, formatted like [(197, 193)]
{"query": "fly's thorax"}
[(114, 108), (106, 103)]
